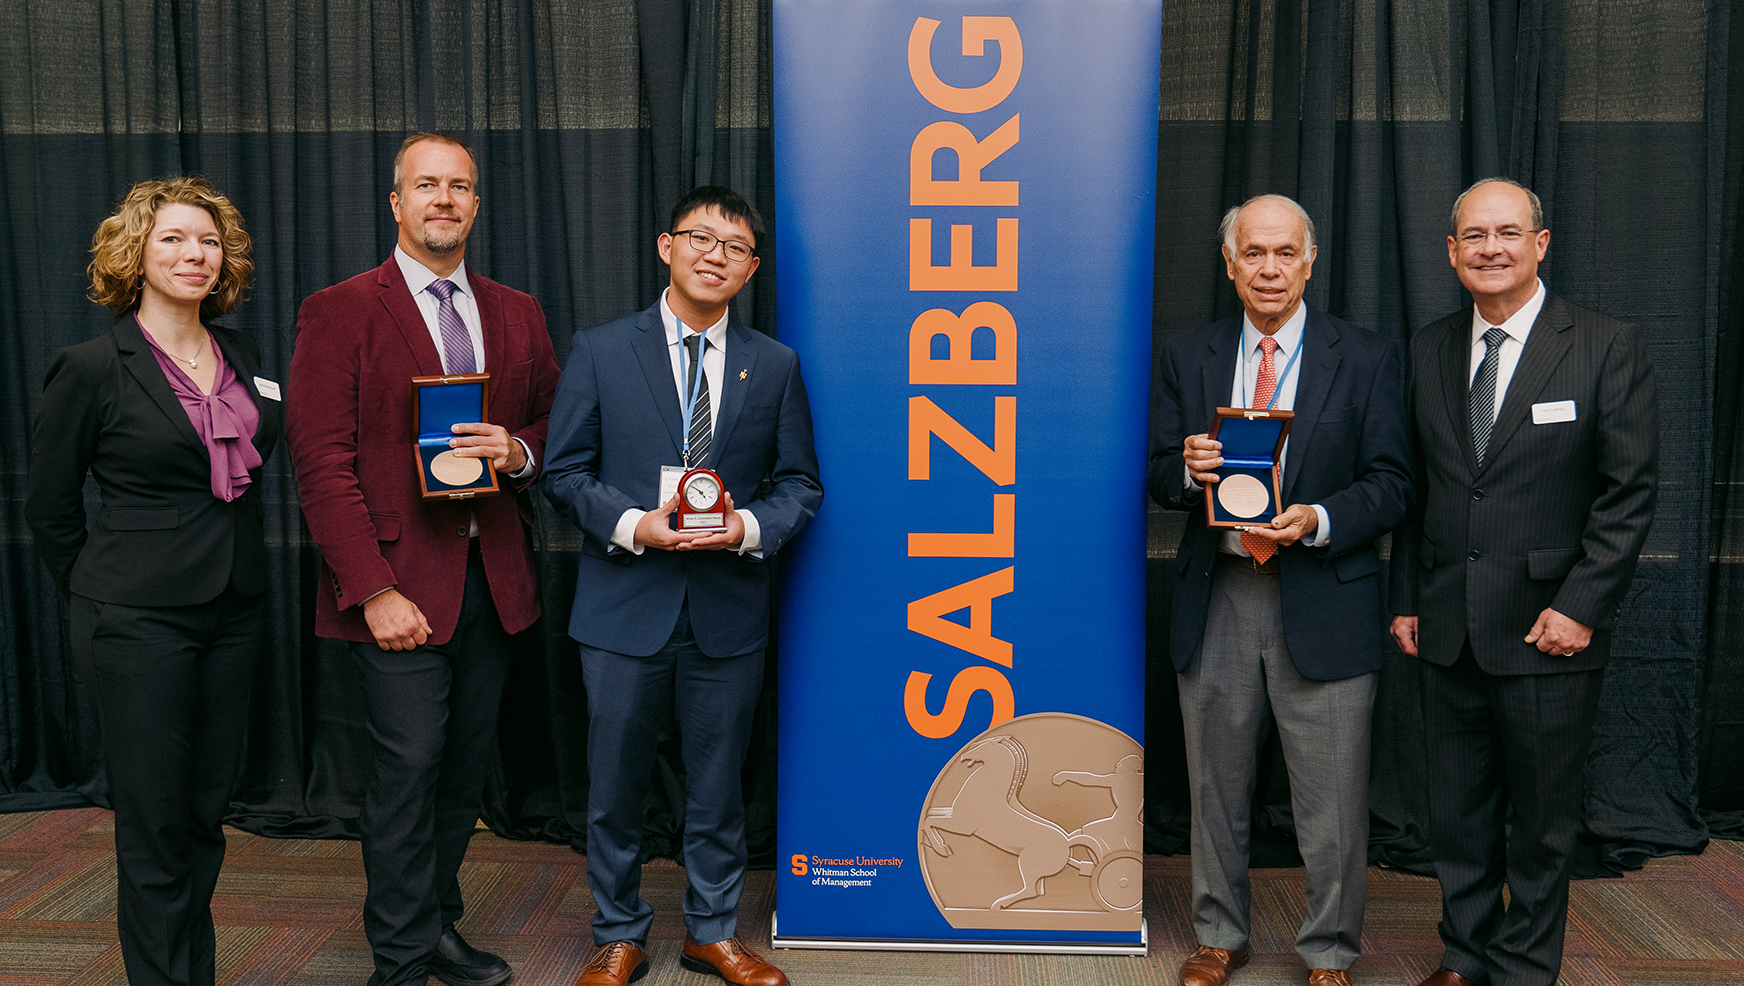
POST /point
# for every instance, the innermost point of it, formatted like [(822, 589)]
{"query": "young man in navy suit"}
[(673, 621), (1537, 430), (1285, 618)]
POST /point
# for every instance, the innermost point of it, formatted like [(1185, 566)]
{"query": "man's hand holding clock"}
[(731, 537), (700, 494)]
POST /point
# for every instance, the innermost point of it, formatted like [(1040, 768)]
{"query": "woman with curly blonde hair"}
[(169, 413)]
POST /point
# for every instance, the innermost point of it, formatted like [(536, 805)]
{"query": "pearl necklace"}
[(193, 364)]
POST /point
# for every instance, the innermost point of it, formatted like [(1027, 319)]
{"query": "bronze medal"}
[(456, 470), (1243, 496)]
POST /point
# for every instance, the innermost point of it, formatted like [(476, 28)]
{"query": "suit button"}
[(1477, 494), (1475, 554), (460, 532)]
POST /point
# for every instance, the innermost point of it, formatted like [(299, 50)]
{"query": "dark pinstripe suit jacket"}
[(1558, 513)]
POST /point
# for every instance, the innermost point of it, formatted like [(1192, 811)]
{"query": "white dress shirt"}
[(714, 365), (1289, 337), (1518, 326)]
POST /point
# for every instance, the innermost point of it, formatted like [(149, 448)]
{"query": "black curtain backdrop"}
[(591, 118)]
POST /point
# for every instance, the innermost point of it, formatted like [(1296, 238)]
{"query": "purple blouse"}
[(226, 420)]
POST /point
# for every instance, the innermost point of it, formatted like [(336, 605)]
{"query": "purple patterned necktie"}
[(457, 354)]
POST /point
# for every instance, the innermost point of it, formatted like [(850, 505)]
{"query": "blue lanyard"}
[(695, 388), (1281, 377)]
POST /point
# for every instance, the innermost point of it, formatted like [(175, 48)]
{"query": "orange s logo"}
[(799, 864)]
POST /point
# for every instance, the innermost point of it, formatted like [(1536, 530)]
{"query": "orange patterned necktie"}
[(1267, 382)]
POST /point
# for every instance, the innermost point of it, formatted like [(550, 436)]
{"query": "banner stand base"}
[(1011, 948)]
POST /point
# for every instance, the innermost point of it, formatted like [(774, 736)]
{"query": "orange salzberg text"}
[(972, 679), (958, 367), (972, 156), (977, 31), (997, 462), (962, 274)]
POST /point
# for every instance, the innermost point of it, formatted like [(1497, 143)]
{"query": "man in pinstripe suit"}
[(1537, 434)]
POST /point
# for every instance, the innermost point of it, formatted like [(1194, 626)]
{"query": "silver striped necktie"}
[(1483, 394)]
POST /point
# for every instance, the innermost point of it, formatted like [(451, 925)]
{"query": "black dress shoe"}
[(459, 964)]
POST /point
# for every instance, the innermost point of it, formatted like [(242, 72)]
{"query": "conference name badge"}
[(1247, 491), (268, 389), (1550, 412), (438, 404)]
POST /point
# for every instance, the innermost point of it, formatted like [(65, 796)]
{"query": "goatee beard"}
[(442, 246)]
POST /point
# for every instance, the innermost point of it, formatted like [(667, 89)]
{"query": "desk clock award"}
[(438, 404), (1248, 487), (701, 502)]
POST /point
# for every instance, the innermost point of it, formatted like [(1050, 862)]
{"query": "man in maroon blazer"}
[(427, 593)]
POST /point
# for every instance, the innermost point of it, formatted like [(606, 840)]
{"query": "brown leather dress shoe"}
[(1328, 977), (1446, 977), (615, 964), (1209, 966), (731, 961)]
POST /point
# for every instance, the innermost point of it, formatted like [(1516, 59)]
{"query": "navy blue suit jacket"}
[(1348, 453), (615, 422)]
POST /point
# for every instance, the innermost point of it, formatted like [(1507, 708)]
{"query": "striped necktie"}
[(457, 354), (701, 428), (1483, 394)]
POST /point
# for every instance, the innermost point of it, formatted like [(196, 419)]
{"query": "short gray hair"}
[(1226, 229), (1537, 207)]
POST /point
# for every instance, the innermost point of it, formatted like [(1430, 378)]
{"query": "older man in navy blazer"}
[(1285, 616), (672, 620)]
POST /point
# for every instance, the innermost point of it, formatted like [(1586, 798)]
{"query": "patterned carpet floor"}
[(288, 913)]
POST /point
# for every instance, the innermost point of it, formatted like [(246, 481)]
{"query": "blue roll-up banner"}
[(965, 209)]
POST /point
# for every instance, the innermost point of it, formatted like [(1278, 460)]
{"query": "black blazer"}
[(160, 538), (1558, 513), (1347, 452)]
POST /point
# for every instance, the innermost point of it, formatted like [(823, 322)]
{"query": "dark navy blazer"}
[(1348, 453), (615, 422)]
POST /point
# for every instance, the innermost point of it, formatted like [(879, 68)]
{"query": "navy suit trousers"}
[(630, 699)]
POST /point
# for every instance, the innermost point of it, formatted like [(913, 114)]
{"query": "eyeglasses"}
[(1507, 237), (704, 241)]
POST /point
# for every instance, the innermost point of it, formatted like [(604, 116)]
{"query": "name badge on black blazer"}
[(1551, 412)]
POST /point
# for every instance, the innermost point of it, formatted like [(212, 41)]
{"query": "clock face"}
[(701, 492)]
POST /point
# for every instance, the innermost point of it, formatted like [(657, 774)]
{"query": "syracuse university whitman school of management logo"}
[(1036, 825)]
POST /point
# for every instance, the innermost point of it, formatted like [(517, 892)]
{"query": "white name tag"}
[(669, 477), (267, 389), (1551, 412)]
